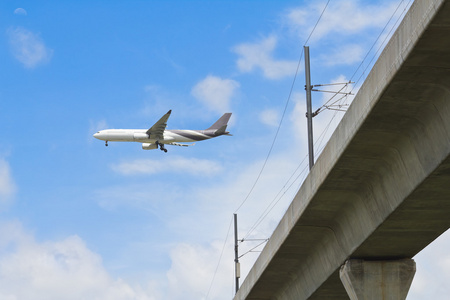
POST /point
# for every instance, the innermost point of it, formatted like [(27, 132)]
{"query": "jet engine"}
[(149, 146)]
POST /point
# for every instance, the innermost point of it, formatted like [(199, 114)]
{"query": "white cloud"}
[(345, 55), (298, 119), (7, 186), (20, 11), (193, 268), (28, 47), (176, 164), (260, 56), (206, 210), (270, 117), (341, 18), (216, 93), (193, 265), (64, 269), (432, 271), (137, 196)]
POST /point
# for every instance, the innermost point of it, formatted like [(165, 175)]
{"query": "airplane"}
[(158, 135)]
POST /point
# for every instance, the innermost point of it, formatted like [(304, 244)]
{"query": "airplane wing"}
[(157, 131), (182, 145)]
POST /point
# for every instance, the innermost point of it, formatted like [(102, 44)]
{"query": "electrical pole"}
[(237, 266), (309, 113)]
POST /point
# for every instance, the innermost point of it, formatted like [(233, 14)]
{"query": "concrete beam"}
[(375, 280)]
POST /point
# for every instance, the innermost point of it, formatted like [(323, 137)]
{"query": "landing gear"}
[(106, 143), (161, 146)]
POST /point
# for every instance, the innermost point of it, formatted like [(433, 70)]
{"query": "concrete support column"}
[(376, 280)]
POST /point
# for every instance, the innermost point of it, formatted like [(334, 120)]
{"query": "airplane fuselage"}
[(141, 136)]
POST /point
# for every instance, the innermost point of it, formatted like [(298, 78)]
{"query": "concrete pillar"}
[(376, 280)]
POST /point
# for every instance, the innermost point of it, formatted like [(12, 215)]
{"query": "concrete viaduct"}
[(380, 191)]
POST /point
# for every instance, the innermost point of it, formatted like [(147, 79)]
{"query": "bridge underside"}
[(381, 188)]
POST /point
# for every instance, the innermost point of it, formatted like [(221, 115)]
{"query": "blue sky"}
[(82, 221)]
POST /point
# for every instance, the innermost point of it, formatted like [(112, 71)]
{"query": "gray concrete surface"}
[(381, 187), (377, 280)]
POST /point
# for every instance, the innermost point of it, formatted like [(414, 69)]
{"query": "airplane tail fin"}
[(221, 125), (221, 122)]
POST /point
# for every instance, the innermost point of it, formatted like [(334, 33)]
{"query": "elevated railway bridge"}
[(380, 191)]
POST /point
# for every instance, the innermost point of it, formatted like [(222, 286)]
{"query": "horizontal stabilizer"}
[(221, 130)]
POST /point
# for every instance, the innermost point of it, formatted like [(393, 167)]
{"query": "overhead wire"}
[(327, 105), (330, 107), (220, 259), (319, 140), (321, 137), (270, 207), (251, 250), (382, 44), (273, 142), (275, 138), (272, 204), (284, 111)]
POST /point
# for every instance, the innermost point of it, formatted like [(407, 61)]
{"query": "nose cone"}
[(97, 135)]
